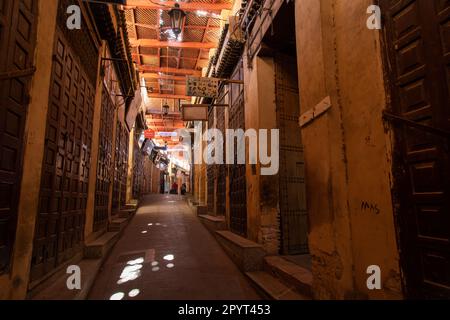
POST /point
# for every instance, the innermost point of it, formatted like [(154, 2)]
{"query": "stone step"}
[(130, 206), (57, 289), (290, 273), (213, 223), (192, 202), (101, 246), (246, 254), (272, 288), (126, 213), (118, 224), (202, 210)]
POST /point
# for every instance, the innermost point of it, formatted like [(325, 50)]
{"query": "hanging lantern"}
[(166, 109), (176, 19)]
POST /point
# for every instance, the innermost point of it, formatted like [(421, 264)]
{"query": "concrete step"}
[(213, 223), (246, 254), (56, 289), (290, 273), (272, 288), (101, 246), (117, 224)]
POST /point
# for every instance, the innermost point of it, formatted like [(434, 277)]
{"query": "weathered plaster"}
[(339, 57)]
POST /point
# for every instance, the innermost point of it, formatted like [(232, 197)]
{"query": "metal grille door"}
[(292, 199), (64, 184), (238, 186), (17, 43), (104, 172), (418, 45)]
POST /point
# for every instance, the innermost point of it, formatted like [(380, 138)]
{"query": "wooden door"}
[(211, 170), (124, 149), (417, 41), (67, 151), (104, 162), (117, 168), (138, 171), (291, 175), (238, 185), (17, 43), (221, 168)]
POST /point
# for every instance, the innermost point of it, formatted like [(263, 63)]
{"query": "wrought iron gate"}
[(104, 162), (238, 186), (418, 64), (17, 43), (65, 173), (292, 199)]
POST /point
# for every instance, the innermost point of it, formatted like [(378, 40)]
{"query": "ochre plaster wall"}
[(347, 162)]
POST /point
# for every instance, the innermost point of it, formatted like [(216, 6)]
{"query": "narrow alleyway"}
[(166, 253), (312, 138)]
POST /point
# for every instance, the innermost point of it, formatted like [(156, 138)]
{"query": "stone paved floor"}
[(166, 253)]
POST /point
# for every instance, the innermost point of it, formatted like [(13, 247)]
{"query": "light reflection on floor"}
[(132, 271), (133, 293), (117, 296), (129, 273)]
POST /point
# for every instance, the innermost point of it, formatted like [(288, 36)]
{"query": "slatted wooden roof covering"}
[(163, 60)]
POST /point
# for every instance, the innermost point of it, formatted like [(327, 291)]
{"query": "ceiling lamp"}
[(176, 19)]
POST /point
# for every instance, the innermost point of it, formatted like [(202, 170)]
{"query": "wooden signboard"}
[(194, 112), (202, 87)]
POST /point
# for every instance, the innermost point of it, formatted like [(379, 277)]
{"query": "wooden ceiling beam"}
[(157, 27), (169, 96), (186, 6), (175, 44), (152, 69), (164, 77), (174, 57)]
